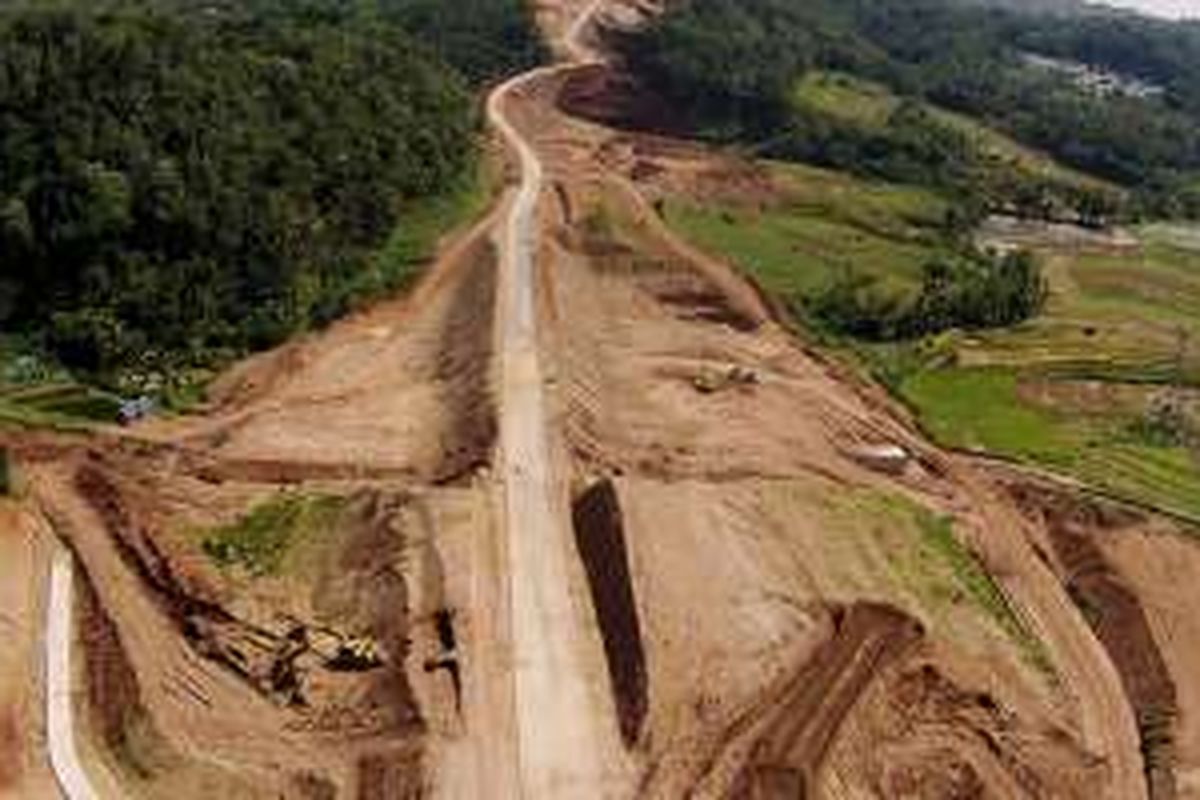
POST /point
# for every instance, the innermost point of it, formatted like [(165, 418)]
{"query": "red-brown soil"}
[(1091, 544), (24, 559), (638, 325), (800, 723), (202, 679), (768, 630)]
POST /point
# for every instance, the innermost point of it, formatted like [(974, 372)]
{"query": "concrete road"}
[(566, 735), (65, 759)]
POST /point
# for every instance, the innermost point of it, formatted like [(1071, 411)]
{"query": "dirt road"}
[(566, 735)]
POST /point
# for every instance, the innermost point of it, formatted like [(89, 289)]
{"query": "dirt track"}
[(566, 741), (805, 718), (25, 551)]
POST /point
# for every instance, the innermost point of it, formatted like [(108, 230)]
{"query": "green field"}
[(36, 393), (260, 542), (826, 222), (1076, 390)]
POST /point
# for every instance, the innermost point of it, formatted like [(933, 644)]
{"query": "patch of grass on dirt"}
[(66, 406), (1162, 477), (846, 97), (926, 558), (259, 542), (938, 540), (423, 225), (35, 392), (827, 223)]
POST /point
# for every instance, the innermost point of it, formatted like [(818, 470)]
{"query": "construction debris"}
[(889, 458), (711, 381)]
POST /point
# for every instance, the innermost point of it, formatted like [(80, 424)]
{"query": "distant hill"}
[(1036, 6)]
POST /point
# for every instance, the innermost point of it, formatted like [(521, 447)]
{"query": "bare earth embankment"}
[(581, 517)]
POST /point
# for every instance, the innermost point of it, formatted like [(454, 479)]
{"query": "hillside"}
[(179, 188), (804, 419), (966, 59)]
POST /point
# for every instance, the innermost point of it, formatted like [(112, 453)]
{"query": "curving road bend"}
[(566, 736), (65, 759)]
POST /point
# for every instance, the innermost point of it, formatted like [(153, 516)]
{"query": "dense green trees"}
[(178, 181), (728, 64), (482, 39), (735, 66), (969, 290)]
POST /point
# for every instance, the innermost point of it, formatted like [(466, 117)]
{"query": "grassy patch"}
[(36, 392), (926, 558), (939, 542), (259, 542), (423, 225), (65, 406), (979, 409), (1162, 477), (825, 224), (846, 98)]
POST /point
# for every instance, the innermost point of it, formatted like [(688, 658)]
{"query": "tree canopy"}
[(183, 180), (734, 64)]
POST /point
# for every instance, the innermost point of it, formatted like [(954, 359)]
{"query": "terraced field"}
[(1104, 386)]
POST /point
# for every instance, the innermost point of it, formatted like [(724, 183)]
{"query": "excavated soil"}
[(919, 734), (1077, 529), (779, 617), (780, 637), (1160, 563), (24, 558), (802, 722), (608, 97), (600, 542), (400, 390), (203, 678), (238, 643), (725, 438)]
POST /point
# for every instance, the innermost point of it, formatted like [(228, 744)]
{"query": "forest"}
[(969, 290), (183, 182), (735, 66)]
